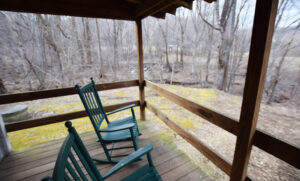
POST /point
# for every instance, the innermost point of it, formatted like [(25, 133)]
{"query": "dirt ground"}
[(282, 121)]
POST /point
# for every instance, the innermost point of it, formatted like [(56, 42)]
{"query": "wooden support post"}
[(139, 39), (263, 27)]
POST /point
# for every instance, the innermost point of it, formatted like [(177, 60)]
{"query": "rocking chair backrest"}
[(72, 156), (92, 103)]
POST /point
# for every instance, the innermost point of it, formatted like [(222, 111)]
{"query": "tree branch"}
[(208, 23), (238, 16)]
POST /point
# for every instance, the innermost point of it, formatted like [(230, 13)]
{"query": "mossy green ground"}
[(208, 97), (222, 142), (26, 138)]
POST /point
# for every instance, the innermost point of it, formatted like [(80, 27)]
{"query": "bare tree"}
[(276, 75), (87, 40), (296, 86), (57, 47), (182, 19), (3, 90), (101, 68), (195, 39), (227, 24), (164, 34)]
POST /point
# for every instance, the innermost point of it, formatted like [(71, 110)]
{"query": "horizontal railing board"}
[(59, 118), (278, 148), (218, 119), (204, 149), (34, 95), (268, 143)]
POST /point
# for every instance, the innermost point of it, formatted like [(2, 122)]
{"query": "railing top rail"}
[(59, 118), (274, 146), (220, 120), (51, 93)]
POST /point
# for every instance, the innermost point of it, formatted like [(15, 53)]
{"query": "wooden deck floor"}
[(38, 161)]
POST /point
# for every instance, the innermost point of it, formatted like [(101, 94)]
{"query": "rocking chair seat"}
[(117, 136), (110, 136), (129, 119)]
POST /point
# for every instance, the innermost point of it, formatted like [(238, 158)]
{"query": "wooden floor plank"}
[(196, 174), (97, 151), (179, 172), (37, 162), (29, 157)]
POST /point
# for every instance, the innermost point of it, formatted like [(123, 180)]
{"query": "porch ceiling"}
[(110, 9)]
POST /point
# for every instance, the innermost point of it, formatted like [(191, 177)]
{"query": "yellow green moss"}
[(29, 137), (119, 94)]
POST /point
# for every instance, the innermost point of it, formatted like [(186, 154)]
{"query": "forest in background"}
[(205, 47)]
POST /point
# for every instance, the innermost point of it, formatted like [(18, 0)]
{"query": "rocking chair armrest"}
[(129, 159), (121, 109), (118, 128)]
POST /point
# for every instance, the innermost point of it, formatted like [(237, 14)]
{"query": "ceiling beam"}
[(160, 15), (95, 9), (151, 7), (135, 1), (188, 5)]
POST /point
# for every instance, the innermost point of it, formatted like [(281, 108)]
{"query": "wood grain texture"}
[(214, 117), (39, 162), (59, 118), (193, 140), (29, 96), (263, 27), (139, 40), (150, 7), (278, 148), (117, 9)]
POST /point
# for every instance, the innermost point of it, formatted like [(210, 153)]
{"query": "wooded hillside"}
[(205, 47)]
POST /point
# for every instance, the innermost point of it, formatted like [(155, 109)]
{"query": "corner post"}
[(139, 40), (261, 40)]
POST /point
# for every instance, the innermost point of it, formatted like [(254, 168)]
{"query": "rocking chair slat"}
[(72, 171), (64, 170), (77, 167), (84, 163), (66, 177)]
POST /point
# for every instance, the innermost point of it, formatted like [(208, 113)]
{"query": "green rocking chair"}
[(120, 130), (75, 163)]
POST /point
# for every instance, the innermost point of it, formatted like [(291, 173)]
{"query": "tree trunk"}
[(227, 36), (61, 53), (86, 48), (3, 90), (275, 79), (115, 49), (168, 66), (101, 68), (181, 49)]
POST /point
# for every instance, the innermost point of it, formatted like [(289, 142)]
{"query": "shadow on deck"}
[(38, 161)]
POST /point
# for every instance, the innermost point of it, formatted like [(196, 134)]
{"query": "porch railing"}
[(29, 96), (274, 146)]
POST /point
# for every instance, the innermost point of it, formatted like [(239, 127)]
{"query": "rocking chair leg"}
[(133, 140)]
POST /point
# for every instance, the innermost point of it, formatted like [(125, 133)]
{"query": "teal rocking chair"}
[(116, 131), (75, 163)]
